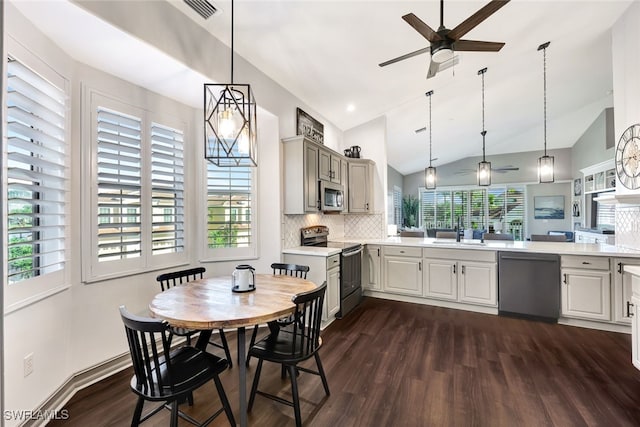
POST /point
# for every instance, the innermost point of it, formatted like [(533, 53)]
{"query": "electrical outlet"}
[(28, 364)]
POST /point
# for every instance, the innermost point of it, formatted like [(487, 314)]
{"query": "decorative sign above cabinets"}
[(309, 127)]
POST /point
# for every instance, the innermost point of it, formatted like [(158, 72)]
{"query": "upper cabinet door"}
[(324, 165), (311, 196)]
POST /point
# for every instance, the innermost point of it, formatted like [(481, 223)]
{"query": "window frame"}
[(28, 291), (92, 269)]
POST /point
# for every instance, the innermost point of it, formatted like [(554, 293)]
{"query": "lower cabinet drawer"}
[(585, 262), (403, 251)]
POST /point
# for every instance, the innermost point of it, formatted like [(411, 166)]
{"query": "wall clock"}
[(628, 157)]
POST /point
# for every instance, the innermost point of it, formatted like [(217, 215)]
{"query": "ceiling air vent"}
[(203, 7)]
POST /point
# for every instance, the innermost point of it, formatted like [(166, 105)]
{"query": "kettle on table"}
[(243, 278)]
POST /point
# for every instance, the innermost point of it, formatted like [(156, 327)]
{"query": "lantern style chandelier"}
[(430, 172), (230, 120), (484, 167), (545, 163)]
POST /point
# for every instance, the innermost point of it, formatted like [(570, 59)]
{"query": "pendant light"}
[(484, 167), (230, 120), (545, 163), (430, 172)]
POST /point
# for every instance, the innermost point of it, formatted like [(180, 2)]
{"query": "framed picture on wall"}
[(577, 187), (576, 209), (548, 207)]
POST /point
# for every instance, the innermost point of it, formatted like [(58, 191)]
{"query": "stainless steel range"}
[(350, 265)]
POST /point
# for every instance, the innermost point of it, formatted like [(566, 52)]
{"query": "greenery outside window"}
[(231, 228)]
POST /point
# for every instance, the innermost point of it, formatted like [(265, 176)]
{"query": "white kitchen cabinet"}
[(300, 176), (472, 282), (622, 289), (477, 283), (322, 269), (361, 172), (590, 237), (441, 279), (372, 268), (329, 166), (402, 270), (332, 296), (635, 320), (586, 288)]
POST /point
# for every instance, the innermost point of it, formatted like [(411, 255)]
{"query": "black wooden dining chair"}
[(294, 270), (177, 278), (162, 375), (290, 346)]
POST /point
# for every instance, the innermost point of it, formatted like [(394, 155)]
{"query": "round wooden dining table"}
[(208, 304)]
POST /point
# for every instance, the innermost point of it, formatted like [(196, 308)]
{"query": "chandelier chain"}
[(544, 83), (232, 20), (430, 131)]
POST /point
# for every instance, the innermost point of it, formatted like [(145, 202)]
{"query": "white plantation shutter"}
[(119, 183), (397, 206), (229, 207), (478, 208), (167, 192), (37, 184)]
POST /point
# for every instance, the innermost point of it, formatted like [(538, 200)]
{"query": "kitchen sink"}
[(454, 243)]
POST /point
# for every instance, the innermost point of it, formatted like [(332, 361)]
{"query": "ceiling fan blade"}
[(471, 22), (426, 31), (406, 56), (476, 46)]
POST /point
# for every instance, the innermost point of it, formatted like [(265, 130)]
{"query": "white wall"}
[(626, 87), (542, 226)]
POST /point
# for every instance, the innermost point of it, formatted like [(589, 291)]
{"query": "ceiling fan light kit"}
[(430, 172), (484, 167), (230, 123), (444, 42), (545, 163)]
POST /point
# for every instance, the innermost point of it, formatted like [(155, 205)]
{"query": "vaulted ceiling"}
[(327, 53)]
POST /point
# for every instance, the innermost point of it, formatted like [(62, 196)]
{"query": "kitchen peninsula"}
[(592, 285)]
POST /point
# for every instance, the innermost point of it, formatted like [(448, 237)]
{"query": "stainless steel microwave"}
[(331, 197)]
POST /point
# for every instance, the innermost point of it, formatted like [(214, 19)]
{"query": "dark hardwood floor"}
[(399, 364)]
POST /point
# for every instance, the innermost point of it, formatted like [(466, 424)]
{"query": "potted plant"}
[(410, 211)]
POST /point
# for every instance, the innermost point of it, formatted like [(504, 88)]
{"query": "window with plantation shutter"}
[(36, 175), (119, 182), (135, 179), (397, 206), (229, 207), (167, 192), (498, 207)]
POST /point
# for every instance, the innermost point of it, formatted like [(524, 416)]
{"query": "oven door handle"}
[(348, 254)]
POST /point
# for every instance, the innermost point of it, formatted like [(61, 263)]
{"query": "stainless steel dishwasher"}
[(529, 285)]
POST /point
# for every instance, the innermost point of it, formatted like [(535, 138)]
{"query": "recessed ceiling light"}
[(351, 108)]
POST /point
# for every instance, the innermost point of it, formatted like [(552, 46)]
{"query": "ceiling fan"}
[(501, 169), (444, 41)]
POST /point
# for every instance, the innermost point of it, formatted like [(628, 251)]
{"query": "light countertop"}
[(561, 248), (312, 251)]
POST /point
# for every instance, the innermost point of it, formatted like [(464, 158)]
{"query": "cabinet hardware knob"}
[(620, 267), (564, 279), (420, 266), (462, 271), (629, 312), (454, 269), (378, 251)]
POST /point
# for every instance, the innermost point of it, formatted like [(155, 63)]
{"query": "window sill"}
[(35, 298), (103, 278)]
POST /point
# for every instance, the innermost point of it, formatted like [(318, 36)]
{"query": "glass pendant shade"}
[(545, 169), (230, 125), (484, 173), (430, 178)]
